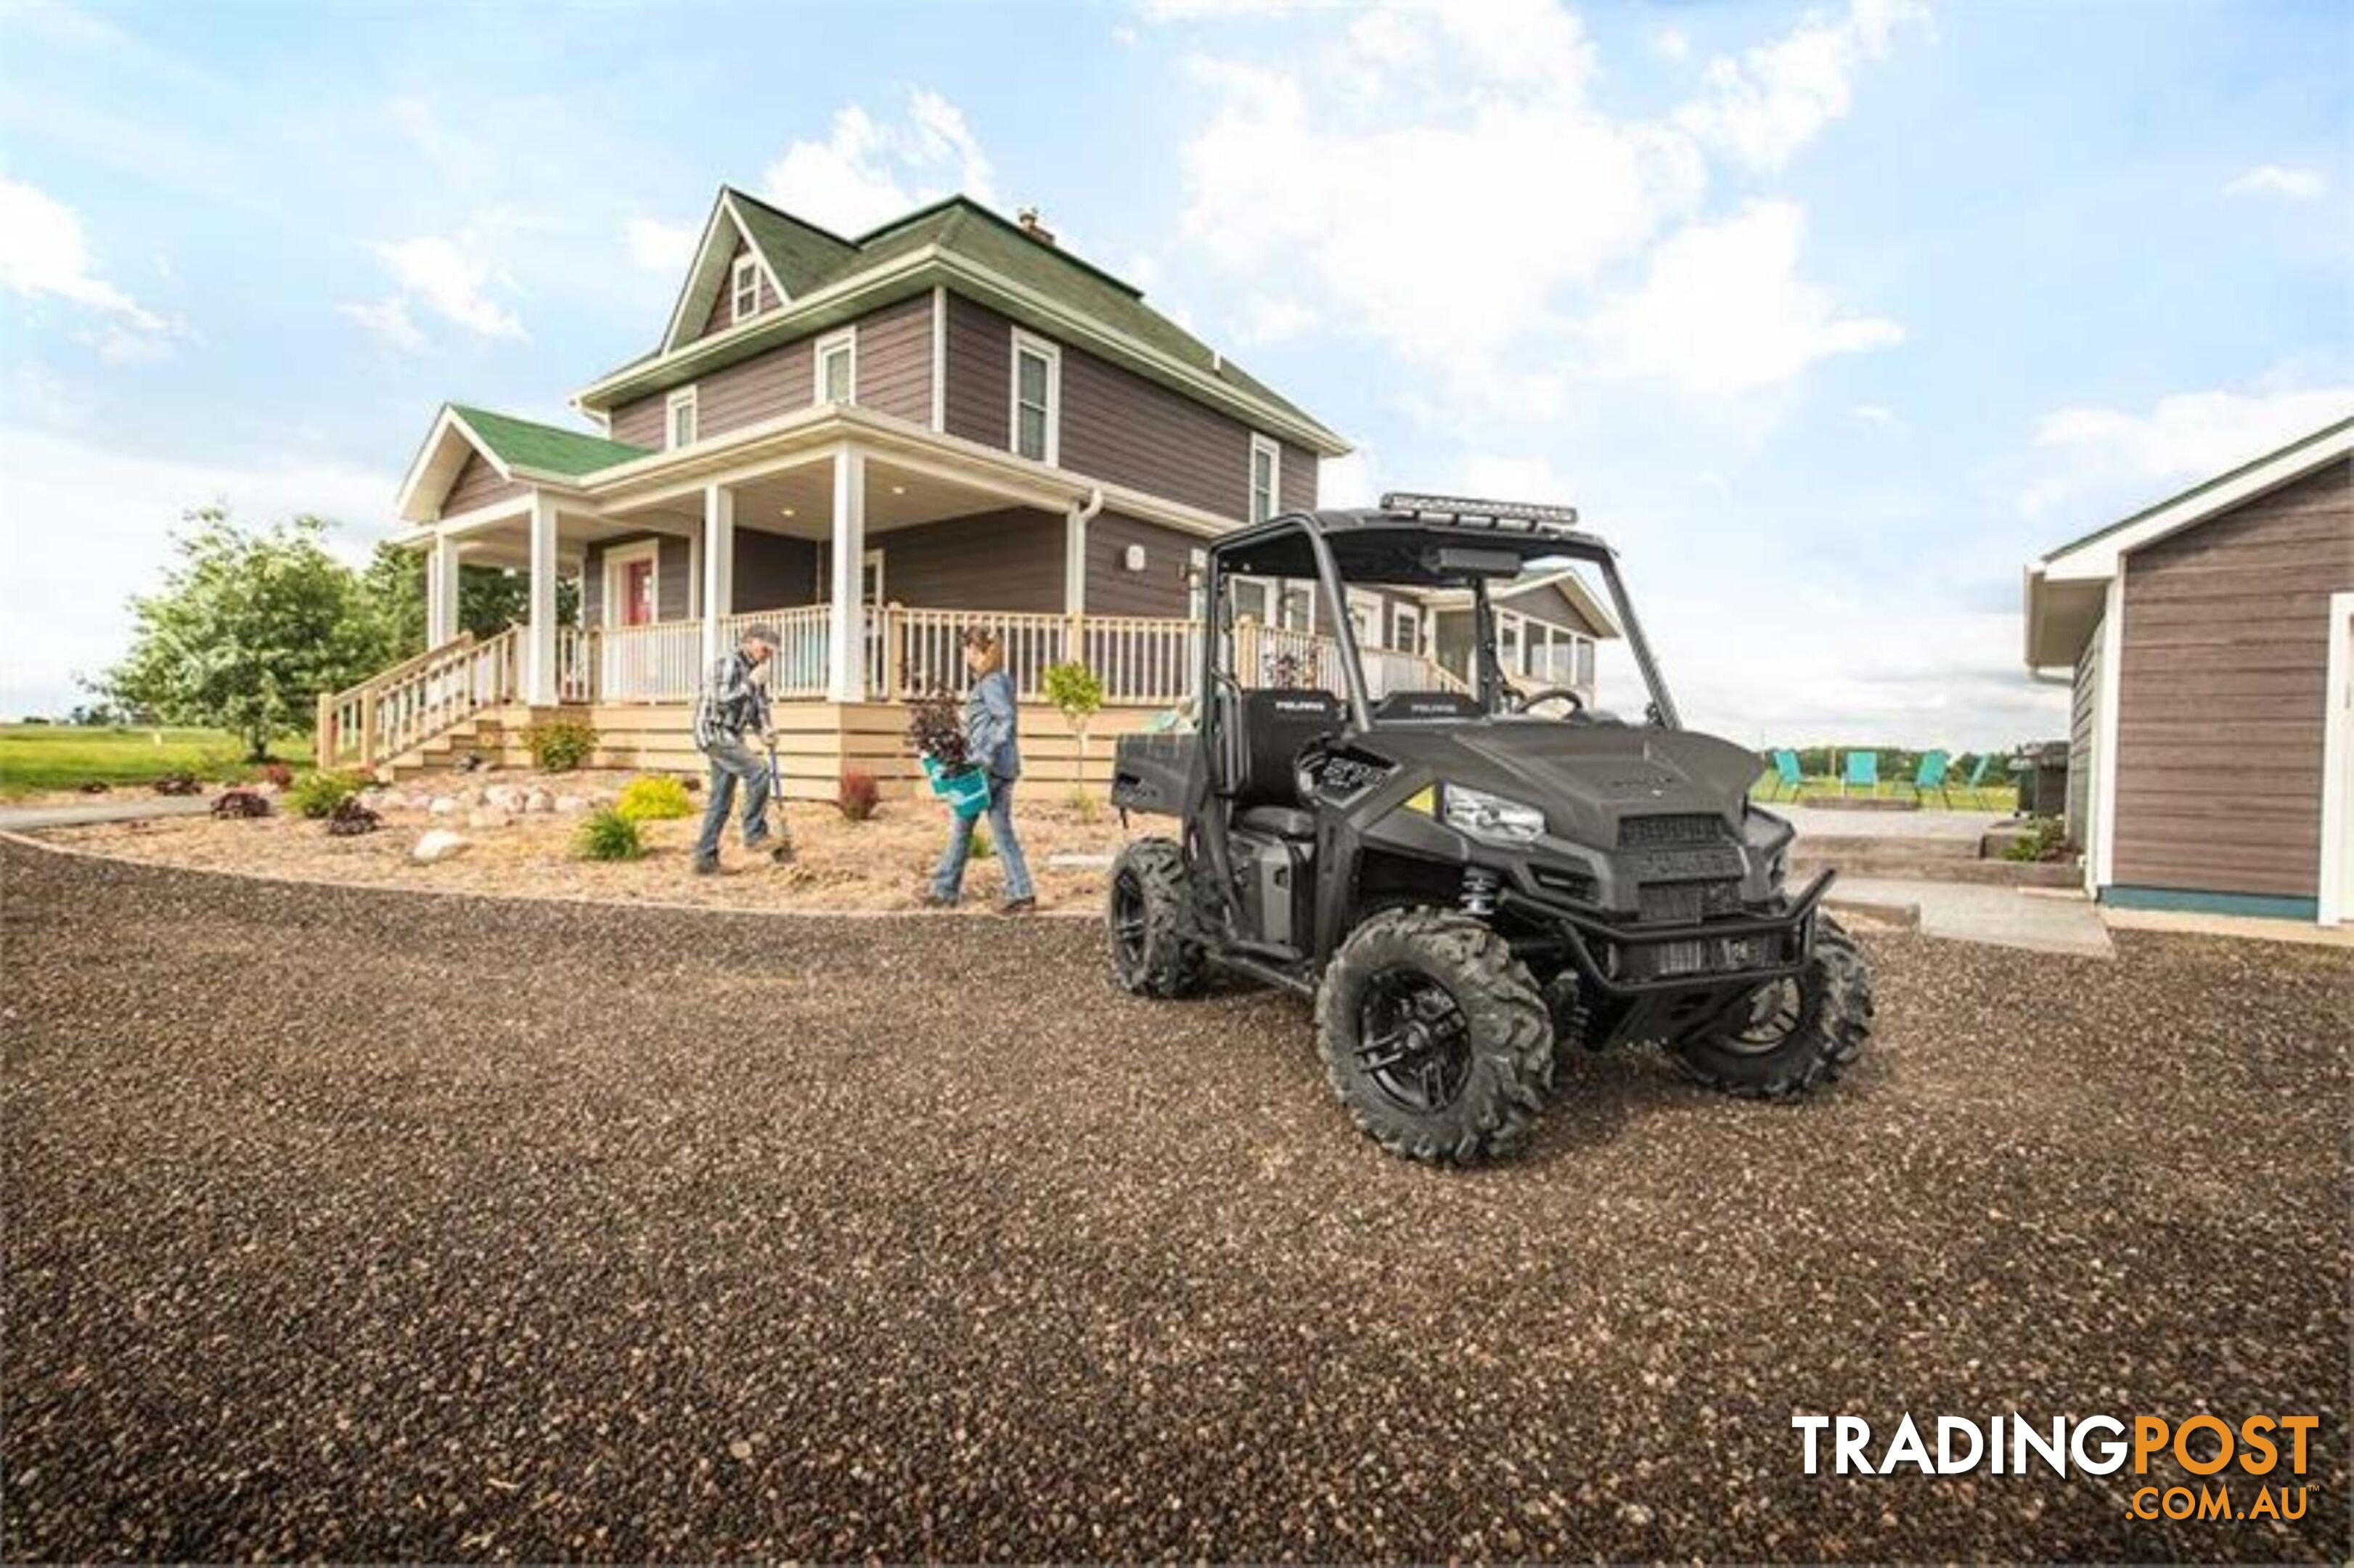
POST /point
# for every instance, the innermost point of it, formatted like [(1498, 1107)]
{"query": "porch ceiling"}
[(799, 502)]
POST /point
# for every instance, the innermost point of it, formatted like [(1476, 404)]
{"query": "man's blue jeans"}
[(948, 881), (731, 761)]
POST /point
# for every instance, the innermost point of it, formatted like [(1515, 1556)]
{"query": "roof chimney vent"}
[(1028, 219)]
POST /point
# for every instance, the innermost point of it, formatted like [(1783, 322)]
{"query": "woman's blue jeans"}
[(948, 880)]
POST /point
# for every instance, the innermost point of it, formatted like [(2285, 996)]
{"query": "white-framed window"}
[(1253, 598), (837, 366), (1510, 641), (744, 289), (870, 574), (678, 424), (1036, 409), (1266, 479), (1406, 626), (1366, 618), (1295, 610)]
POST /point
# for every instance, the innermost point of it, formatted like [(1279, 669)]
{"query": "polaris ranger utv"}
[(1464, 879)]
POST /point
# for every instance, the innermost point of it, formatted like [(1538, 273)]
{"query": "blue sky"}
[(1830, 316)]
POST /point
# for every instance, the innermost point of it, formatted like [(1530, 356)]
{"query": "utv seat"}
[(1270, 728)]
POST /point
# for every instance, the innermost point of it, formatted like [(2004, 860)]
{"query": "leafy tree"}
[(249, 627), (1079, 692), (490, 599)]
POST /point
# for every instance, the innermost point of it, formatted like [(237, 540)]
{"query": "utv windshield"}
[(1442, 624)]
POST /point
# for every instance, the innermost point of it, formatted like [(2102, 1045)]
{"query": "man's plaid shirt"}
[(733, 703)]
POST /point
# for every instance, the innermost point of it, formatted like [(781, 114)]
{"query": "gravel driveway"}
[(356, 1226)]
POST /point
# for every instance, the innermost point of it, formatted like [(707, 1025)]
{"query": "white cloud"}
[(659, 247), (448, 275), (2279, 180), (1352, 479), (1724, 311), (43, 254), (1672, 43), (2109, 454), (1761, 107), (388, 320), (868, 172), (1271, 318), (1197, 10), (1494, 477), (65, 608), (1876, 415)]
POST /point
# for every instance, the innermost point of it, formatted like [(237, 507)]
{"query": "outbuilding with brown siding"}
[(2209, 643)]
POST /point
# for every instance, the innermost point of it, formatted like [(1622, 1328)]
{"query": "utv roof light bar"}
[(1469, 509)]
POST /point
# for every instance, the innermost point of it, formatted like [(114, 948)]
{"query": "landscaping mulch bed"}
[(359, 1227), (879, 865)]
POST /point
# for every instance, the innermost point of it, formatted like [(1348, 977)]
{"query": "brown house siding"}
[(1010, 560), (2220, 694), (1116, 425), (980, 358), (895, 360), (1161, 589), (772, 571), (478, 484), (674, 577)]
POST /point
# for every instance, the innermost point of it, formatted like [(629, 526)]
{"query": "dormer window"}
[(744, 289)]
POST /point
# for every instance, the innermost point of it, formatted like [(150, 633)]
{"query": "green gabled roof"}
[(526, 443), (800, 253)]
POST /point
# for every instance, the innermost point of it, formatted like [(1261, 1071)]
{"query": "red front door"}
[(638, 593)]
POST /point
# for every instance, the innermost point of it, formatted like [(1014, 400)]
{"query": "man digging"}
[(734, 704)]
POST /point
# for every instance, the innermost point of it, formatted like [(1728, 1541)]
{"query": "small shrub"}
[(936, 728), (607, 834), (277, 774), (559, 746), (2046, 839), (241, 803), (350, 818), (858, 794), (318, 794), (179, 784), (1087, 803), (655, 799), (982, 848)]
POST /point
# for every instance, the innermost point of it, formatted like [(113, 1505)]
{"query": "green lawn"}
[(38, 757)]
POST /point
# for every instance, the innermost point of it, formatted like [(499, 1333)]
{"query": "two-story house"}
[(869, 443)]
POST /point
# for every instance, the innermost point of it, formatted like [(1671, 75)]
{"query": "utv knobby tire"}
[(1506, 1035), (1160, 952), (1831, 1026)]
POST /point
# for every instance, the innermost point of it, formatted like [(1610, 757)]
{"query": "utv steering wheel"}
[(1551, 693)]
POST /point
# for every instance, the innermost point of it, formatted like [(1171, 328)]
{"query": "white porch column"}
[(718, 566), (440, 591), (539, 624), (846, 629)]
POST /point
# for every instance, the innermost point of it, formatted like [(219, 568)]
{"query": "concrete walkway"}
[(19, 819), (2035, 919), (1945, 826)]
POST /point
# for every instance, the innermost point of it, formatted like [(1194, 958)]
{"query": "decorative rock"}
[(488, 817), (570, 805), (503, 797), (539, 801), (437, 845), (443, 806)]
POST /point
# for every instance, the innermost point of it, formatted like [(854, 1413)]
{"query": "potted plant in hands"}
[(936, 730)]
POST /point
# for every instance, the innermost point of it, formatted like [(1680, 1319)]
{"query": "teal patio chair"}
[(1931, 775), (1976, 784), (1786, 776), (1863, 772)]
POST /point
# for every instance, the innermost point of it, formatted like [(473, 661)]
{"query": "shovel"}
[(784, 853)]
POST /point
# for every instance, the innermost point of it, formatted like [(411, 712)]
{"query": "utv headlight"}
[(1489, 818)]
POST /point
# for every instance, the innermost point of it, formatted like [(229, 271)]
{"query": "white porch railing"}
[(657, 662), (417, 699), (923, 650), (806, 634)]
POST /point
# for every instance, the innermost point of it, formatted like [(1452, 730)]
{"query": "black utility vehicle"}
[(1463, 879)]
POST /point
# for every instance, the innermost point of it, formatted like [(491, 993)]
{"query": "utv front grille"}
[(1673, 830), (1682, 903), (1568, 881), (1638, 962)]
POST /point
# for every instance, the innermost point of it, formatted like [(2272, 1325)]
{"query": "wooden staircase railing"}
[(409, 704)]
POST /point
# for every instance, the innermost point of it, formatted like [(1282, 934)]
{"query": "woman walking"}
[(991, 720)]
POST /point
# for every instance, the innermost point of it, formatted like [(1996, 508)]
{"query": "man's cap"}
[(761, 632)]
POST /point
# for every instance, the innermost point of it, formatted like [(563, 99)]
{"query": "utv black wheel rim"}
[(1776, 1012), (1128, 920), (1412, 1040)]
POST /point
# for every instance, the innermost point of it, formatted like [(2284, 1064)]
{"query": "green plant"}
[(2046, 838), (559, 746), (318, 794), (1087, 803), (858, 794), (607, 834), (1079, 692), (982, 848), (654, 798)]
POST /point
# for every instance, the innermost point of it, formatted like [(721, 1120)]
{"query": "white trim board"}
[(2336, 906)]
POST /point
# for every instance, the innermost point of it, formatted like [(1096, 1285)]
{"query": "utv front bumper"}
[(1627, 959)]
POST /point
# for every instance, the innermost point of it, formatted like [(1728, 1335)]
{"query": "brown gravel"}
[(350, 1226), (879, 865)]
